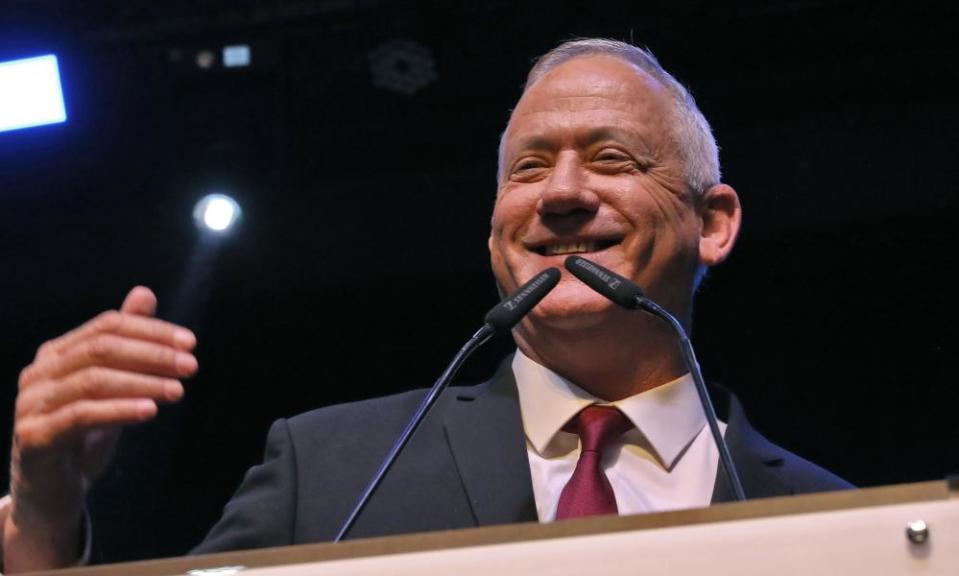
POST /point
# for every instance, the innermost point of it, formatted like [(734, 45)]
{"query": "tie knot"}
[(598, 425)]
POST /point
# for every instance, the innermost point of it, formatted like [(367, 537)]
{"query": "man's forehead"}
[(611, 92)]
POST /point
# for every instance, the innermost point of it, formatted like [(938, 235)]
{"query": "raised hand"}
[(73, 400)]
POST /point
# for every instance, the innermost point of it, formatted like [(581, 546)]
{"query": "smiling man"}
[(605, 155)]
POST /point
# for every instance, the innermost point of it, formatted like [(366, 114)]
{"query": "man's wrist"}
[(5, 504), (31, 543), (31, 519)]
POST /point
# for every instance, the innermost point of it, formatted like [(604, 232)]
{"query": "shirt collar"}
[(668, 416)]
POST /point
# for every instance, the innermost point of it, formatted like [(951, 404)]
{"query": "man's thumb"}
[(141, 301)]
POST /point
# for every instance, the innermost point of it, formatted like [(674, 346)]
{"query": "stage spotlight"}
[(30, 93), (216, 213), (204, 59)]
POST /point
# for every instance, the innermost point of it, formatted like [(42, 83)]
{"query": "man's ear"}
[(721, 215)]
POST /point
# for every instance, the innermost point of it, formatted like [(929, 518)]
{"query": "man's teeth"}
[(576, 248)]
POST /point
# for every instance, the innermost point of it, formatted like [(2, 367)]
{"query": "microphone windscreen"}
[(608, 283), (511, 310)]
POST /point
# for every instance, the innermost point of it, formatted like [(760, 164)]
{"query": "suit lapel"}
[(484, 429)]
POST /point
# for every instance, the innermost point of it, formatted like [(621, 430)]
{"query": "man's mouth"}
[(574, 248)]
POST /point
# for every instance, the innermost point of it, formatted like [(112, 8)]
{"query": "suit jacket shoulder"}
[(766, 470)]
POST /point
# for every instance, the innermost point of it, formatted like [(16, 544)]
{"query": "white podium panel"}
[(870, 541), (842, 533)]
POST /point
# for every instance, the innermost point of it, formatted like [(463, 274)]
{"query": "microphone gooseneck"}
[(628, 295), (500, 318)]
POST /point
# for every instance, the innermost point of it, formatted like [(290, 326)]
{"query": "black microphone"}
[(628, 295), (507, 313), (500, 318), (607, 283)]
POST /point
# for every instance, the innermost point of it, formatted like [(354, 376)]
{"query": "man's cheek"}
[(509, 269)]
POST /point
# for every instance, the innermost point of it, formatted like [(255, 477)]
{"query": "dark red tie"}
[(588, 492)]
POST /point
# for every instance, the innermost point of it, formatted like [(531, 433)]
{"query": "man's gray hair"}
[(697, 146)]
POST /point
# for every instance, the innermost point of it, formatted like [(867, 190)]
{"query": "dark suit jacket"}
[(466, 466)]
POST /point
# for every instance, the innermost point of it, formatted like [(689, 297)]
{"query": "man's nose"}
[(566, 189)]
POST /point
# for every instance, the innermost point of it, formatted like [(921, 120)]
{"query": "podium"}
[(907, 529)]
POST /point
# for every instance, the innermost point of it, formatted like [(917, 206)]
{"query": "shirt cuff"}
[(87, 539)]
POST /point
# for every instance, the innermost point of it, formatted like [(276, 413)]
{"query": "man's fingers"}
[(112, 351), (96, 383), (141, 301), (121, 324), (43, 431)]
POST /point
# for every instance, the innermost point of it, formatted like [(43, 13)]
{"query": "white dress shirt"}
[(667, 462)]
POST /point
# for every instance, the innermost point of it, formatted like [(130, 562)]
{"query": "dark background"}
[(361, 265)]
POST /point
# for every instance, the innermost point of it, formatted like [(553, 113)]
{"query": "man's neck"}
[(609, 364)]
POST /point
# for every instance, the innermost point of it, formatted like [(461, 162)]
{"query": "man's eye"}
[(614, 159), (612, 156), (526, 165)]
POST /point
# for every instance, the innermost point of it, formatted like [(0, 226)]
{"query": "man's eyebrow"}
[(609, 133), (535, 142), (598, 134)]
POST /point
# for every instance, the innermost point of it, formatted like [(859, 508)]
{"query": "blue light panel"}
[(30, 93), (236, 56)]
